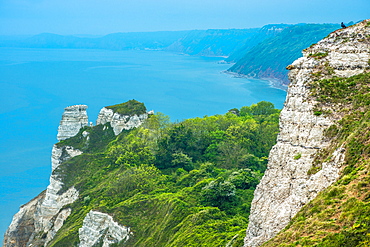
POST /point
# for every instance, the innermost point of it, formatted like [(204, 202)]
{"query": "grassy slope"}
[(340, 215)]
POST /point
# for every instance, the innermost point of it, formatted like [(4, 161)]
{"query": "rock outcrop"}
[(101, 228), (287, 184), (73, 119), (118, 121), (38, 221)]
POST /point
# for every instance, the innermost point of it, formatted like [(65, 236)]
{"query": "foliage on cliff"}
[(340, 215), (174, 184), (131, 107), (270, 58)]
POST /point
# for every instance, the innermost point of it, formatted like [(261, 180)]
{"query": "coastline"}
[(273, 82)]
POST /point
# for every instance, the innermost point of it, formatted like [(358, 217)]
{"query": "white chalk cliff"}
[(37, 222), (287, 185), (73, 119), (118, 121), (100, 227), (43, 216)]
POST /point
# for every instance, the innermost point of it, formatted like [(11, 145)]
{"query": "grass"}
[(131, 107), (319, 55), (298, 156)]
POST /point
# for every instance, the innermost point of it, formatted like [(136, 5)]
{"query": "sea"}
[(37, 84)]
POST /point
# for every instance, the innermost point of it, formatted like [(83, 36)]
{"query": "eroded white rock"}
[(44, 214), (61, 154), (73, 119), (98, 227), (118, 121)]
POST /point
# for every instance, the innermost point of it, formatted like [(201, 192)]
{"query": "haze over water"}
[(37, 84)]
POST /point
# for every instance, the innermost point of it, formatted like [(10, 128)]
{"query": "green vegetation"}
[(174, 184), (319, 55), (340, 215), (131, 107), (270, 58), (90, 139), (298, 156)]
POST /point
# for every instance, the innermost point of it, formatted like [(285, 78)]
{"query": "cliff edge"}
[(293, 176)]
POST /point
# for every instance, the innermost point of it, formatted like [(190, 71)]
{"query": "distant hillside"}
[(270, 58), (263, 33), (115, 41), (213, 42)]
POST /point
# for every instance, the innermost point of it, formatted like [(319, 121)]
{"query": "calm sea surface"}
[(37, 84)]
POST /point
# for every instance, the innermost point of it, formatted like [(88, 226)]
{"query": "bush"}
[(219, 194)]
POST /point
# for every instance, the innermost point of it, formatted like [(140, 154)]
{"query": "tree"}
[(219, 194)]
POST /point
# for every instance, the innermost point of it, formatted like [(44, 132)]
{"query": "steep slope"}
[(269, 58), (316, 142)]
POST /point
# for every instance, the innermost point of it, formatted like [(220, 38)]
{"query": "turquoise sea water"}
[(37, 84)]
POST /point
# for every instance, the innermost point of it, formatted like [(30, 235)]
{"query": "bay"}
[(37, 84)]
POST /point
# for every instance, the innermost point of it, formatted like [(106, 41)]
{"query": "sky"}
[(100, 17)]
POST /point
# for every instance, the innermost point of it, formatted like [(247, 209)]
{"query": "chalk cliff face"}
[(118, 121), (38, 221), (100, 227), (73, 119), (287, 184)]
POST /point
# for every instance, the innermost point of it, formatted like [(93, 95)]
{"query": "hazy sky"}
[(108, 16)]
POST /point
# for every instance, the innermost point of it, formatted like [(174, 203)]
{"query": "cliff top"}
[(131, 107), (76, 107)]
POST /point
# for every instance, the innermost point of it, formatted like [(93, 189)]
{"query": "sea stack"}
[(73, 119)]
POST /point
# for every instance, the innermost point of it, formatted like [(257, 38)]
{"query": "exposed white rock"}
[(22, 229), (73, 119), (98, 227), (58, 223), (286, 186), (120, 122), (44, 214), (61, 154)]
